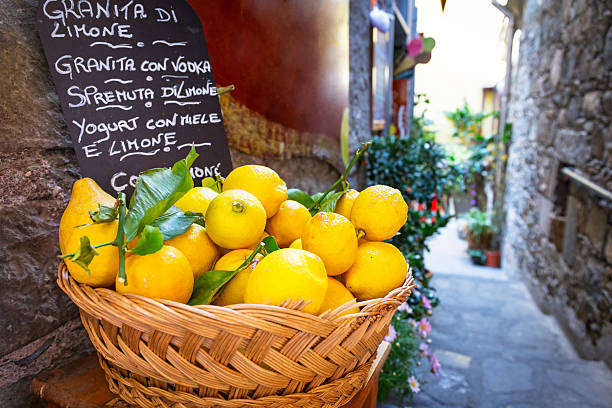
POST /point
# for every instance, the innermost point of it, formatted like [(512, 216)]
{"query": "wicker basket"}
[(159, 353)]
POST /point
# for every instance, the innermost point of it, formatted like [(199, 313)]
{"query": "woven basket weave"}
[(158, 353)]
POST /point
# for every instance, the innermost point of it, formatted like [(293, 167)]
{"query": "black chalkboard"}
[(135, 85)]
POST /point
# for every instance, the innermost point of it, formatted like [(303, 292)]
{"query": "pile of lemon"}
[(327, 259)]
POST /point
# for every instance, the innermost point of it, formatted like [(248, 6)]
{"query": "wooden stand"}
[(81, 384)]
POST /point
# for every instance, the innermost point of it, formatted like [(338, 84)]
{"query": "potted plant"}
[(479, 230), (493, 255)]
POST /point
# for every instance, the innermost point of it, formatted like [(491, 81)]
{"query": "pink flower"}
[(414, 384), (424, 349), (435, 365), (424, 327), (392, 334), (404, 308), (425, 302), (415, 46)]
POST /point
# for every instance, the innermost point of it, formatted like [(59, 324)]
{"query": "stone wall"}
[(39, 326), (557, 234)]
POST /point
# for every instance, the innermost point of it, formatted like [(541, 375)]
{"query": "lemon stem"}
[(121, 239), (344, 175), (94, 246), (360, 234), (237, 207)]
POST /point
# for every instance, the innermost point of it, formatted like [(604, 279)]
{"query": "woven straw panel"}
[(159, 353)]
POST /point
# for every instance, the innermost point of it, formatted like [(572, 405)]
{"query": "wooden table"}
[(81, 384)]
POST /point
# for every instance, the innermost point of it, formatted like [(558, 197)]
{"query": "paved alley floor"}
[(496, 348)]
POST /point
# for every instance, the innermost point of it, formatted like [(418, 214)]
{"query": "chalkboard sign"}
[(135, 85)]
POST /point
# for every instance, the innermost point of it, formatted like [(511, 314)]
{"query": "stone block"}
[(573, 146), (591, 104), (555, 67), (608, 249), (596, 227)]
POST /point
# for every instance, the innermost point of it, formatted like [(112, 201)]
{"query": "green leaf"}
[(156, 191), (150, 241), (104, 214), (331, 201), (206, 286), (84, 255), (198, 217), (270, 244), (174, 222), (316, 196), (213, 184), (300, 196)]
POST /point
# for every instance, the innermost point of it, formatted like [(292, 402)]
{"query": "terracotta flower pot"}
[(493, 259)]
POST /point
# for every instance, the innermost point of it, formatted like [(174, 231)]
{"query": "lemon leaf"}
[(331, 201), (270, 244), (207, 286), (300, 196), (174, 222), (104, 214), (150, 241), (84, 255), (156, 191)]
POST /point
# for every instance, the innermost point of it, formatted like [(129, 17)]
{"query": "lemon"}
[(197, 246), (252, 247), (379, 212), (233, 292), (235, 219), (297, 244), (261, 181), (332, 237), (337, 295), (165, 274), (288, 223), (378, 269), (288, 274), (196, 200), (103, 268), (85, 197), (345, 204)]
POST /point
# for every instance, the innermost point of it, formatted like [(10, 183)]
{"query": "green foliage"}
[(402, 361), (479, 224), (156, 191), (84, 255), (104, 214), (150, 241)]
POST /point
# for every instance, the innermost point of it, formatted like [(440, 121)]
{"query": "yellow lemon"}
[(345, 204), (288, 274), (378, 269), (197, 246), (297, 244), (332, 237), (235, 219), (261, 181), (337, 295), (379, 212), (196, 200), (85, 197), (103, 268), (165, 274), (288, 223), (233, 292)]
